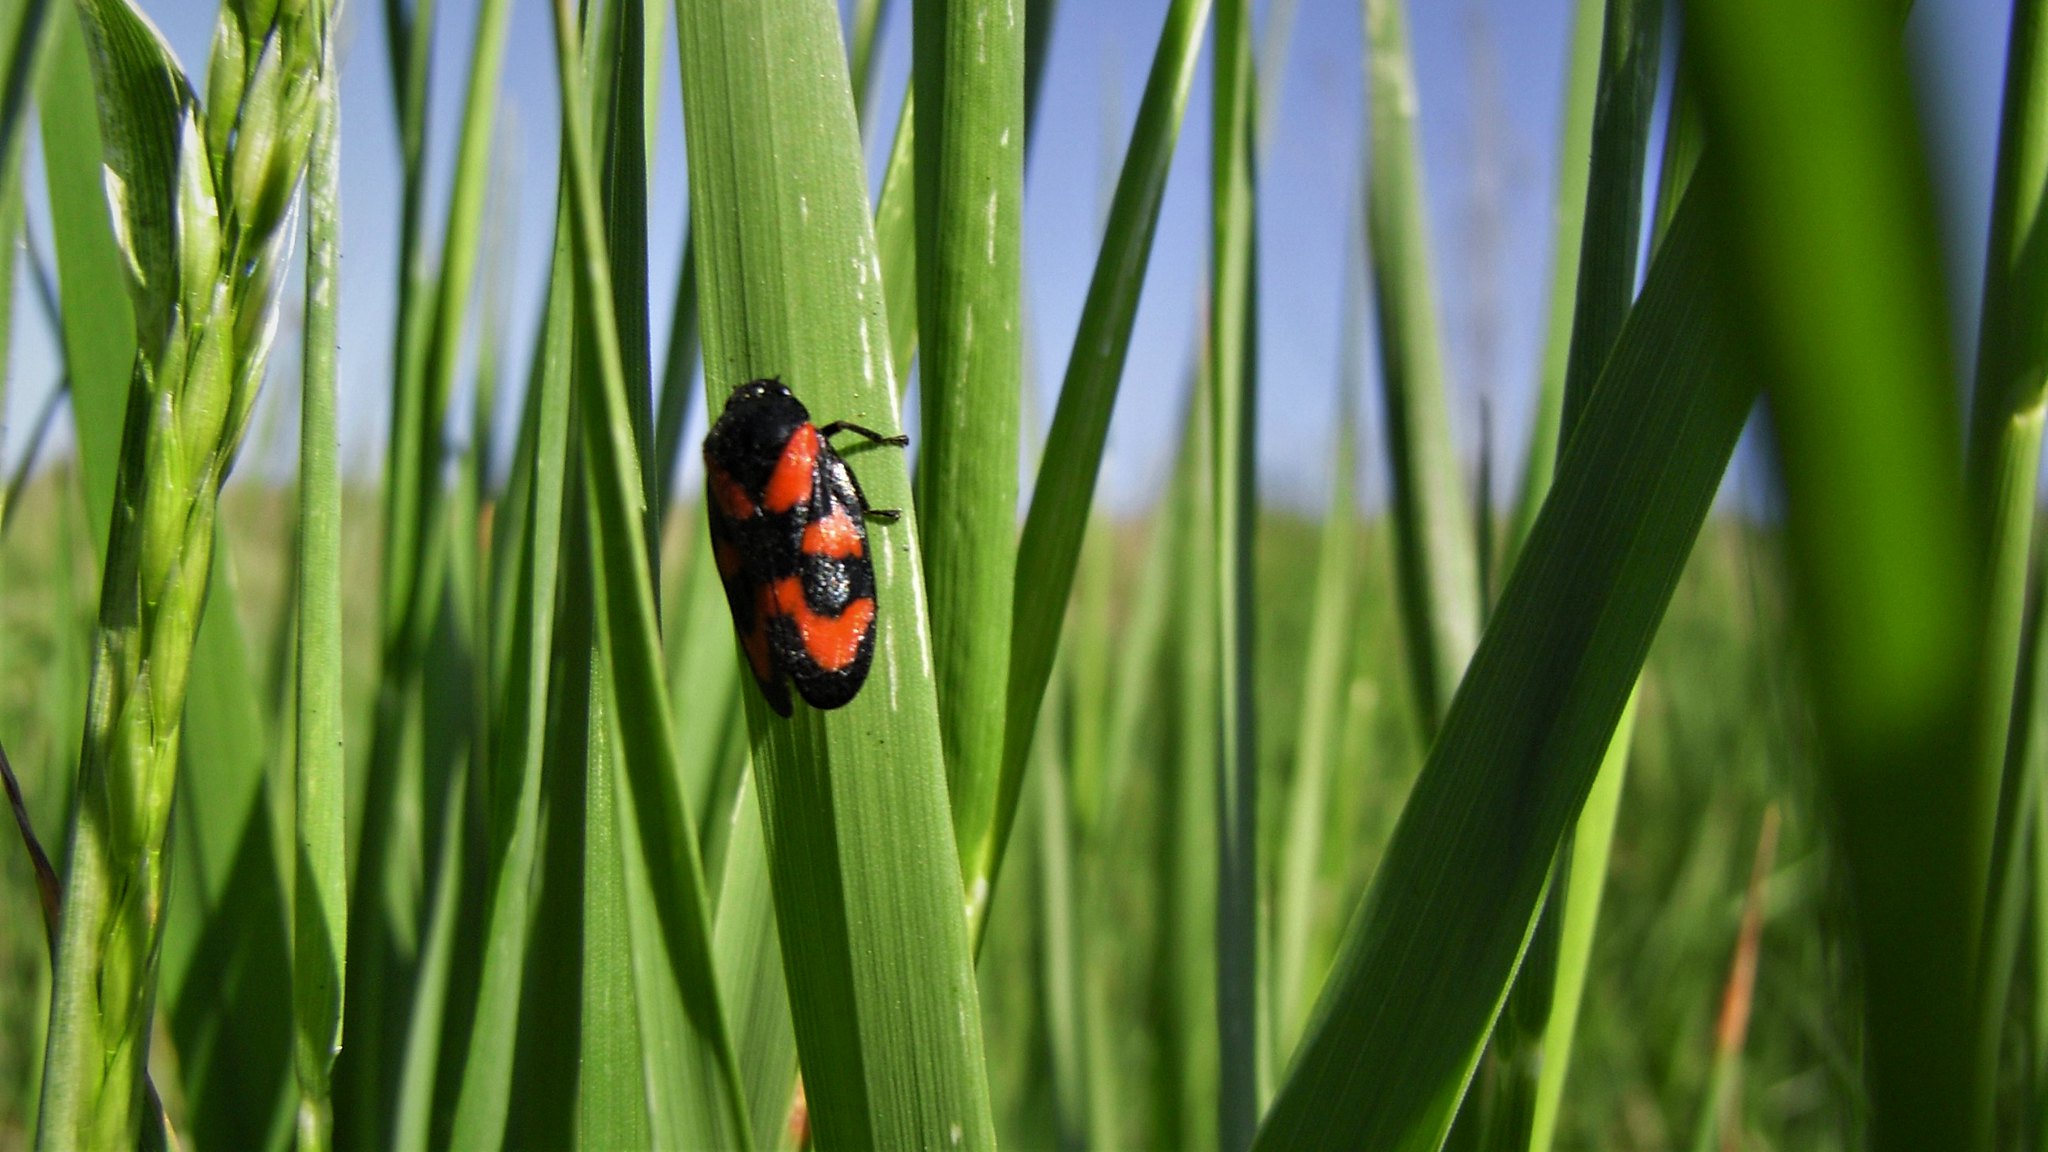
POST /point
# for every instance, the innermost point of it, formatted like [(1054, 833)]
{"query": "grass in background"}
[(1279, 854)]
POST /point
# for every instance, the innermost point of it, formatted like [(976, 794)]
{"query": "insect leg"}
[(838, 426)]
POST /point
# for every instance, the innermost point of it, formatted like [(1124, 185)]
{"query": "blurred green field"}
[(1721, 736)]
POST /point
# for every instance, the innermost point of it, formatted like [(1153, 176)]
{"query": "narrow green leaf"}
[(1428, 957), (630, 641), (968, 62), (1568, 225), (1438, 585), (860, 847), (1064, 491), (2004, 464), (1232, 475), (483, 1099), (320, 887)]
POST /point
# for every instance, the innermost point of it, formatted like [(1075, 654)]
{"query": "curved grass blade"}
[(860, 844), (629, 642), (1427, 959), (1064, 491), (483, 1099), (1434, 540), (2004, 464)]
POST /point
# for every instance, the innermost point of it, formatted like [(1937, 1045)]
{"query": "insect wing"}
[(825, 613), (742, 549)]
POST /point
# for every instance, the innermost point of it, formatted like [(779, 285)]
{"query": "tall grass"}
[(459, 823)]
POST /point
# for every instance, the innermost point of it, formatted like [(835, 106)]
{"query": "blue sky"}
[(1490, 74)]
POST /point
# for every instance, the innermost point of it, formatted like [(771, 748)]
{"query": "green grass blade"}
[(1568, 225), (968, 63), (483, 1099), (860, 49), (1188, 1115), (2004, 464), (1612, 227), (896, 240), (320, 890), (860, 843), (408, 760), (1592, 842), (1394, 1037), (1439, 589), (678, 369), (1828, 234), (630, 642), (1326, 683), (750, 967), (1232, 475), (1064, 491)]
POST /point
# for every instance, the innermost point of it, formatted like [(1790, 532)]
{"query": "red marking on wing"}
[(728, 558), (836, 536), (732, 499), (832, 642), (790, 485)]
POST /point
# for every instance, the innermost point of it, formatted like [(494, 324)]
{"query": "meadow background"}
[(1719, 1002)]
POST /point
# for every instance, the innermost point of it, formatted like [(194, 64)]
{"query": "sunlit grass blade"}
[(896, 241), (1612, 227), (860, 844), (1394, 1038), (1439, 583), (678, 381), (320, 850), (969, 166), (1064, 491), (663, 828), (1568, 223), (1231, 469), (408, 768), (1325, 685), (1826, 229), (483, 1096), (2004, 464)]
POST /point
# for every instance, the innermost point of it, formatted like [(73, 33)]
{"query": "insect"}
[(789, 535)]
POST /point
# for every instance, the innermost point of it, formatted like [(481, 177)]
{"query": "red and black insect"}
[(789, 533)]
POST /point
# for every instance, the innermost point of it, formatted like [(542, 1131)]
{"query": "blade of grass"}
[(630, 643), (1325, 683), (432, 307), (320, 887), (1568, 226), (1828, 243), (1438, 586), (1428, 957), (1191, 1033), (896, 242), (968, 61), (2004, 464), (1626, 93), (1232, 474), (860, 844), (1065, 488), (483, 1099)]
